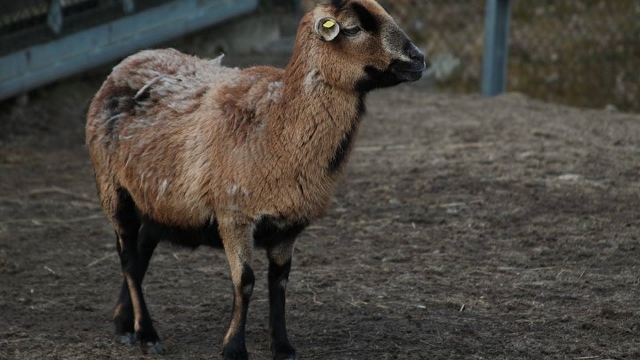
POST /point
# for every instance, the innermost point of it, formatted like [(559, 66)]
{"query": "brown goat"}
[(190, 151)]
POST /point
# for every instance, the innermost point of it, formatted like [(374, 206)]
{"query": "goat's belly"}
[(267, 232), (190, 236)]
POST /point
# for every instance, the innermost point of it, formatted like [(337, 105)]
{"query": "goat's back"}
[(146, 122)]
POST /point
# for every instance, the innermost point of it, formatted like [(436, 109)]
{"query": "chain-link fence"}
[(579, 52)]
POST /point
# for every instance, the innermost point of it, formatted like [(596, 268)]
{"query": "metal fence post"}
[(496, 47), (54, 16), (128, 6)]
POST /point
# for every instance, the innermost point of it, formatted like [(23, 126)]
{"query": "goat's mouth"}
[(408, 70), (397, 72)]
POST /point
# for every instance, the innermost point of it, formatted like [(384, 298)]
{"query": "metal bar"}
[(54, 16), (496, 47), (29, 68), (128, 6)]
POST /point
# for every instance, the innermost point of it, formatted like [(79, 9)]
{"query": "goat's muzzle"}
[(412, 65)]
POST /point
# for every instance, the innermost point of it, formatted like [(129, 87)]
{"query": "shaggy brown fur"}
[(190, 143)]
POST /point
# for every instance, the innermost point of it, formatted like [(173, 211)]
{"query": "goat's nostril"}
[(415, 54)]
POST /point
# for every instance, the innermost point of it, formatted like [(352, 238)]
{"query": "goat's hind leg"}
[(123, 316), (131, 317)]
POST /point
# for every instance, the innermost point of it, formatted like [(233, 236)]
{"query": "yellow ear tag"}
[(328, 24)]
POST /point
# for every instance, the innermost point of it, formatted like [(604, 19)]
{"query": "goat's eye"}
[(351, 31)]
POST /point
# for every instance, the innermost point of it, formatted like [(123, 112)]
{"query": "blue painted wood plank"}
[(29, 68)]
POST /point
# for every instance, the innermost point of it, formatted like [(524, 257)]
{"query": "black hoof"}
[(236, 357), (285, 357), (126, 338), (283, 352), (152, 348), (231, 355)]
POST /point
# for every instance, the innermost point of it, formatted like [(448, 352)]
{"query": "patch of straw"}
[(58, 190)]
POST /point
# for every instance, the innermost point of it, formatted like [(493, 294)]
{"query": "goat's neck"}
[(317, 122)]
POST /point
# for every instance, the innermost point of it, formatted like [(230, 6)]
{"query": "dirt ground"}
[(464, 228)]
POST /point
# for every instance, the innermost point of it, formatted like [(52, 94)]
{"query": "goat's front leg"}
[(280, 255), (238, 246)]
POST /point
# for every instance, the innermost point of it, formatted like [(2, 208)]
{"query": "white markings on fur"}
[(404, 57), (126, 163), (310, 80), (275, 90), (162, 188), (146, 86), (247, 290), (232, 190), (114, 118), (111, 122), (283, 284), (217, 61)]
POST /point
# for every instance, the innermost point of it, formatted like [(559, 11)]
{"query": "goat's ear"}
[(328, 28)]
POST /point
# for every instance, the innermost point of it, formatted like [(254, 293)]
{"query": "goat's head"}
[(359, 45)]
